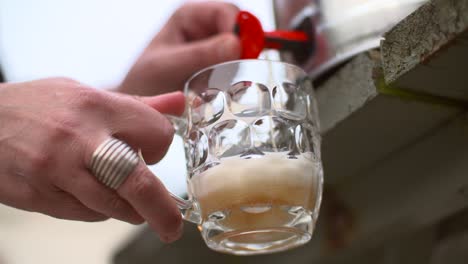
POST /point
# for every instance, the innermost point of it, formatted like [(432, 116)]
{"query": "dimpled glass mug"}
[(252, 147)]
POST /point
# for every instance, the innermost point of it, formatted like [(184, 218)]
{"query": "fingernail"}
[(174, 236)]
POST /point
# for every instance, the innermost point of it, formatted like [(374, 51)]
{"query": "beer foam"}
[(272, 179)]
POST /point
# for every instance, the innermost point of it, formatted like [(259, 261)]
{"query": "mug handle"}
[(187, 208)]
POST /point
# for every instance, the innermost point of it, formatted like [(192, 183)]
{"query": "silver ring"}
[(112, 162)]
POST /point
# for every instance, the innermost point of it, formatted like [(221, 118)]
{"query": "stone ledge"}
[(428, 50)]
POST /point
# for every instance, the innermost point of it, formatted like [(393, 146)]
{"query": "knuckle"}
[(115, 203), (88, 98), (141, 184), (40, 161), (65, 127)]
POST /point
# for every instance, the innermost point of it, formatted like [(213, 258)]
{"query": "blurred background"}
[(94, 42)]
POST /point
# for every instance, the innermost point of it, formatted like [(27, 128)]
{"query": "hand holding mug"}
[(49, 132)]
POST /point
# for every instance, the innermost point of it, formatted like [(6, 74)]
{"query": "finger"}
[(203, 53), (194, 55), (138, 125), (169, 103), (27, 191), (16, 192), (152, 201), (65, 206), (195, 21), (99, 198)]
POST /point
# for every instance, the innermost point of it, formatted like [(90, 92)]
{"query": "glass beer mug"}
[(252, 146)]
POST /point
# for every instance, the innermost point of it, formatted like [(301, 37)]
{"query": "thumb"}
[(203, 53), (169, 103)]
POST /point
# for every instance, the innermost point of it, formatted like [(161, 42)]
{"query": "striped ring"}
[(112, 162)]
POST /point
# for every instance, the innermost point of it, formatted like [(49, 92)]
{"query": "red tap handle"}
[(253, 39), (251, 35)]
